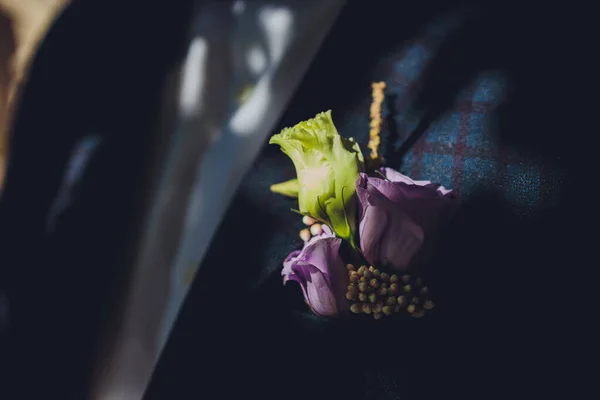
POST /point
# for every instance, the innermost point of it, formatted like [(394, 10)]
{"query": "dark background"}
[(510, 296)]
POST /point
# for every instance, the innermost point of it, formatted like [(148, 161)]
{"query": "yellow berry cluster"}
[(378, 293)]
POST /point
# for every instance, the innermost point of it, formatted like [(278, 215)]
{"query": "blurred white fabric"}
[(228, 103)]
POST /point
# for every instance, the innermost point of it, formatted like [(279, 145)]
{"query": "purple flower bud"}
[(321, 273), (399, 217)]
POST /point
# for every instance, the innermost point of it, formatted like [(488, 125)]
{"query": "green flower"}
[(327, 166)]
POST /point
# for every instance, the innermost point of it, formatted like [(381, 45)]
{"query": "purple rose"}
[(321, 274), (399, 217)]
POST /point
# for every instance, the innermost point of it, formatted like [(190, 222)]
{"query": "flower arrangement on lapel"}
[(369, 227)]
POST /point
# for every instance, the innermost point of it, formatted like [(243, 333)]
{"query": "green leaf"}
[(287, 188)]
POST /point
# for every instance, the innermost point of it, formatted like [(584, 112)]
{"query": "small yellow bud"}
[(382, 291), (354, 276), (372, 297), (352, 288), (351, 267), (428, 305), (306, 220), (351, 296), (362, 286), (356, 308), (407, 288), (305, 235), (371, 268), (377, 315), (374, 283), (376, 273), (362, 269), (391, 301), (394, 278), (387, 310), (316, 229), (401, 300), (377, 307), (362, 297), (366, 307), (394, 288), (411, 309), (368, 274), (385, 277)]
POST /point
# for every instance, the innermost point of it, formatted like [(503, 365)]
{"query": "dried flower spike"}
[(375, 113)]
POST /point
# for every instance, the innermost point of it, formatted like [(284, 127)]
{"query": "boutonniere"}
[(369, 228)]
